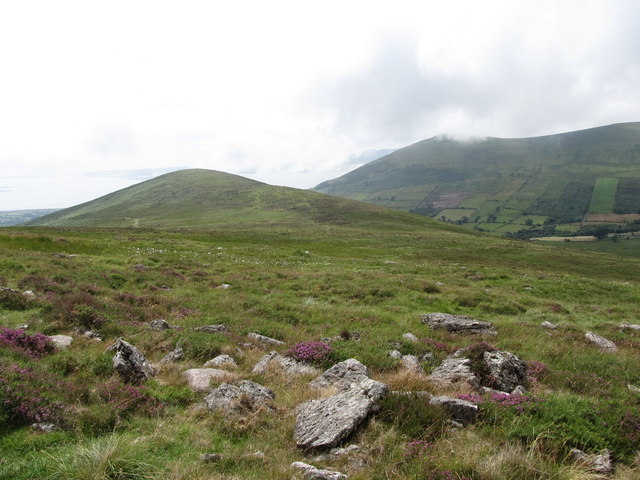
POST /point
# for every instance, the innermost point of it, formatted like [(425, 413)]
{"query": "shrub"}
[(125, 400), (32, 345), (12, 300), (317, 353), (413, 416), (537, 370), (77, 309), (26, 396)]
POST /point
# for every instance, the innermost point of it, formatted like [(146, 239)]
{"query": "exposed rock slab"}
[(461, 411), (130, 363), (200, 379), (601, 342), (174, 356), (286, 364), (61, 341), (507, 370), (256, 337), (220, 328), (312, 473), (341, 375), (245, 395), (457, 323), (222, 361), (324, 423), (455, 372)]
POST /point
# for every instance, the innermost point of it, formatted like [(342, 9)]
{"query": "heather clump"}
[(126, 399), (31, 345), (316, 353), (12, 300)]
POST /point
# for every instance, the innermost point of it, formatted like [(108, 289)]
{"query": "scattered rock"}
[(199, 379), (159, 324), (548, 325), (44, 427), (176, 355), (336, 453), (130, 363), (288, 365), (600, 463), (341, 375), (455, 372), (210, 457), (221, 328), (411, 363), (603, 343), (457, 323), (507, 370), (312, 473), (633, 388), (224, 286), (221, 361), (324, 423), (256, 337), (461, 411), (28, 293), (630, 326), (410, 337), (24, 327), (395, 354), (519, 390), (246, 395), (61, 341)]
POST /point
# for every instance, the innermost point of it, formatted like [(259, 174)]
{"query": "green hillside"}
[(204, 198), (504, 185)]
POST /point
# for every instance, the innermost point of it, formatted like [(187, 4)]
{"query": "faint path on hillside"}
[(136, 222)]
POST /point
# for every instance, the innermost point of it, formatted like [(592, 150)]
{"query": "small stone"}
[(44, 427), (395, 354), (410, 337), (256, 337), (23, 327), (312, 473), (61, 341), (221, 361), (519, 390), (462, 411), (246, 395), (341, 375), (601, 342), (600, 463), (224, 286), (455, 372), (548, 325), (210, 457), (633, 388), (28, 293), (221, 328), (199, 379), (159, 324), (630, 326), (176, 355), (286, 364)]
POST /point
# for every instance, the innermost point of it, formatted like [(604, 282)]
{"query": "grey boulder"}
[(507, 370), (130, 363), (245, 395), (601, 342), (455, 372), (457, 323), (341, 375), (274, 360)]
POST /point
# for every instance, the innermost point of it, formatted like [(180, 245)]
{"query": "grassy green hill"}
[(505, 185), (205, 198)]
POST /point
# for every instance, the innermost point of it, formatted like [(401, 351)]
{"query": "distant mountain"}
[(201, 198), (507, 184), (18, 217)]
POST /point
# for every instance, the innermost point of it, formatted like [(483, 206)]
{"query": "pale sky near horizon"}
[(99, 95)]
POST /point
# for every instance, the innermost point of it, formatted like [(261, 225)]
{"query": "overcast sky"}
[(98, 95)]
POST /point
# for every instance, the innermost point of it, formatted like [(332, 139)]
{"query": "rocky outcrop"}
[(601, 342), (222, 361), (324, 423), (310, 472), (506, 370), (288, 365), (455, 372), (238, 398), (457, 323), (341, 375), (175, 356), (256, 337), (200, 379), (221, 328), (130, 363), (61, 341)]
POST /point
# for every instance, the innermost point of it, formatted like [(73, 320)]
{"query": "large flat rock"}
[(457, 323)]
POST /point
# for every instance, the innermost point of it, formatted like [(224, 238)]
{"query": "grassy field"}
[(604, 195), (298, 285)]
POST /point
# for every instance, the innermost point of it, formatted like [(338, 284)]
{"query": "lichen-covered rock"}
[(411, 363), (174, 356), (457, 323), (324, 423), (341, 375), (256, 337), (601, 342), (159, 324), (312, 473), (506, 369), (286, 364), (130, 363), (222, 361), (600, 463), (461, 411), (200, 379), (410, 337), (630, 326), (245, 395), (61, 341), (548, 325), (221, 328), (455, 372)]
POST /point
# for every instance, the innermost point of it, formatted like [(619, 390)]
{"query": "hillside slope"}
[(201, 198), (505, 184)]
